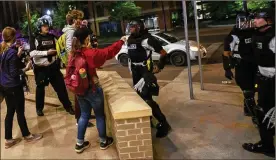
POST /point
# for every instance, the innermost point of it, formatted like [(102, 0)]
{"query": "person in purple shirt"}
[(11, 72)]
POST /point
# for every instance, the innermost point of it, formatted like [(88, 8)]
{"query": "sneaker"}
[(104, 145), (33, 137), (70, 111), (40, 113), (12, 142), (81, 148)]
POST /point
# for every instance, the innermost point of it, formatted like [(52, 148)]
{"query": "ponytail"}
[(76, 46), (3, 47)]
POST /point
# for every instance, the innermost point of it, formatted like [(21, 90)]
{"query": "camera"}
[(25, 56)]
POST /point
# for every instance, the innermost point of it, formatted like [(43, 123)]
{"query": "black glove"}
[(229, 74), (226, 62), (162, 62)]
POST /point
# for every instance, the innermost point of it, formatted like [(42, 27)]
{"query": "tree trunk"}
[(94, 16), (11, 11), (123, 27), (5, 13)]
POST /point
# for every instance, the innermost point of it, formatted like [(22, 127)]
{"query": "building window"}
[(100, 11), (154, 4)]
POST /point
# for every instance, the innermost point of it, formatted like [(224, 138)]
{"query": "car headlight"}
[(195, 49)]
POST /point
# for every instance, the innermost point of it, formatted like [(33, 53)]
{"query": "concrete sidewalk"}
[(212, 126)]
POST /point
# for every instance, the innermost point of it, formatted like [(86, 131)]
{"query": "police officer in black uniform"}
[(46, 67), (140, 46), (238, 54), (263, 43)]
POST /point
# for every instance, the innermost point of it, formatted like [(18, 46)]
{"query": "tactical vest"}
[(264, 56), (137, 53), (244, 48), (46, 42)]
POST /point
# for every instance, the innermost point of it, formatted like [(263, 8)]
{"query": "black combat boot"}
[(163, 129), (259, 148)]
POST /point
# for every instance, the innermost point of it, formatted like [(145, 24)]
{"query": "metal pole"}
[(29, 20), (187, 48), (198, 47)]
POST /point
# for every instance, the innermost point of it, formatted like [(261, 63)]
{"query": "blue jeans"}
[(91, 100)]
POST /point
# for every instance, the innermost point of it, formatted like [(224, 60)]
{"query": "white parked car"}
[(175, 48)]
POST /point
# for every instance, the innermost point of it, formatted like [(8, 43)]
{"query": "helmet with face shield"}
[(244, 21)]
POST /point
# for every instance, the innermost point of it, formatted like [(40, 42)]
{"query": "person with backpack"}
[(82, 64), (64, 46), (12, 88), (64, 43), (46, 68)]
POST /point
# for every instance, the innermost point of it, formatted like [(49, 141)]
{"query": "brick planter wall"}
[(127, 115)]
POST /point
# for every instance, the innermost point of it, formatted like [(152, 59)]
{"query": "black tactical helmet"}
[(138, 25), (244, 21), (44, 20), (267, 14)]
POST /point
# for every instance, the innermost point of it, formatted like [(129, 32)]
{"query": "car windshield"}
[(167, 37)]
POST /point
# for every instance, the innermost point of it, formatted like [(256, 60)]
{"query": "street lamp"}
[(48, 12)]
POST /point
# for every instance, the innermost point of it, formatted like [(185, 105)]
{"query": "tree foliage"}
[(34, 17), (254, 5), (219, 10), (59, 17), (123, 10)]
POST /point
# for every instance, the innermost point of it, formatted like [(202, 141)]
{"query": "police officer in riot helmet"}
[(140, 46), (238, 54), (46, 67), (263, 42)]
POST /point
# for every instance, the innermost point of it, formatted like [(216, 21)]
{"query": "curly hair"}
[(74, 14)]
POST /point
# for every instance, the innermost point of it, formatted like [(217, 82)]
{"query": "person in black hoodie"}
[(46, 68), (12, 87)]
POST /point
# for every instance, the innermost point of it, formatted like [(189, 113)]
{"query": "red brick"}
[(125, 127), (135, 143), (145, 119), (121, 133), (124, 156), (145, 148), (123, 144), (134, 131), (128, 150), (147, 142), (127, 138), (146, 130), (134, 120), (144, 136), (143, 125), (137, 155)]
